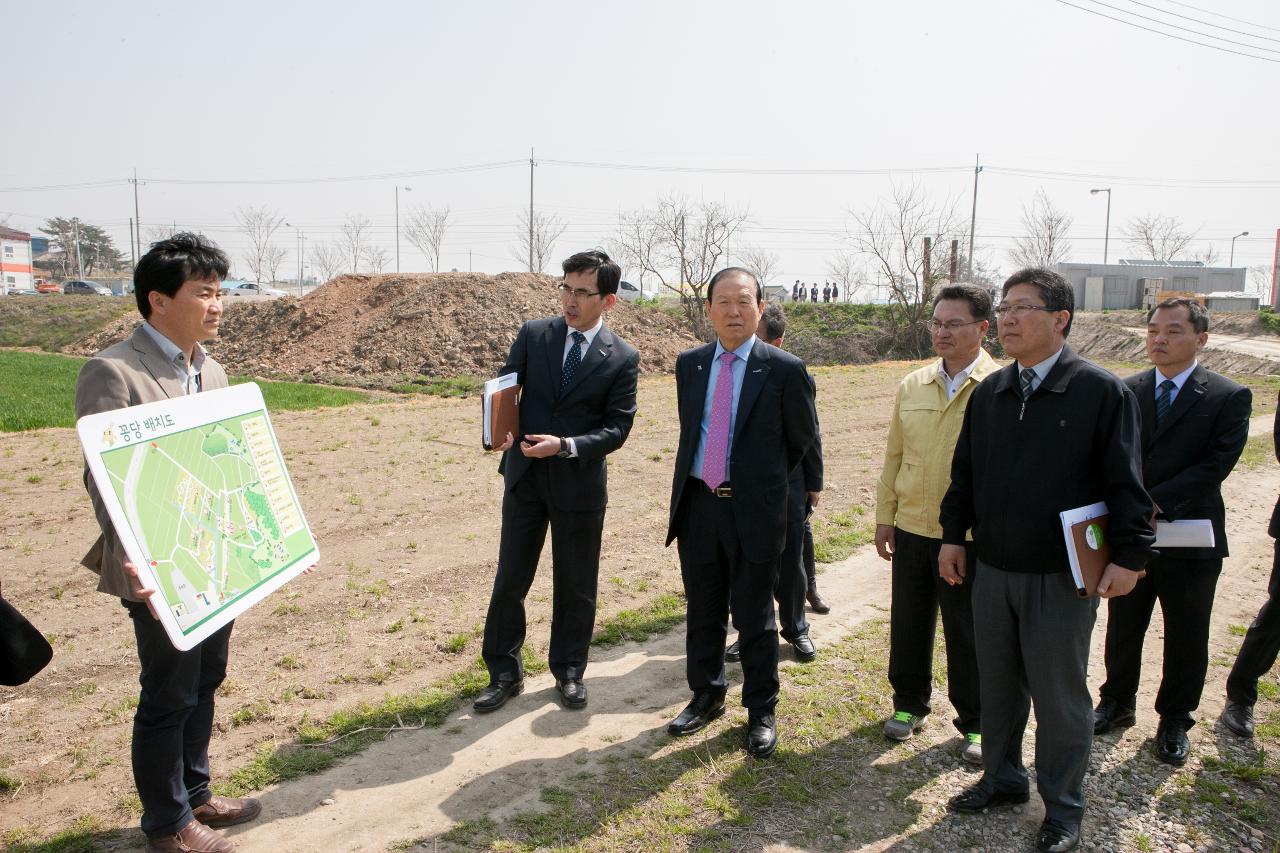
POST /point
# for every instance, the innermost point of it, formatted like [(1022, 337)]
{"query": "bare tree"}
[(891, 234), (1209, 256), (846, 272), (327, 259), (259, 224), (425, 228), (355, 238), (1259, 283), (1160, 238), (762, 263), (272, 260), (682, 244), (547, 228), (377, 258), (1044, 234), (155, 233)]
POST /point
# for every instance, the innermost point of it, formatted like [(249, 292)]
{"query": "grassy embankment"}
[(38, 390)]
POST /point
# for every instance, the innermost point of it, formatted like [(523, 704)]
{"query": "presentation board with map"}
[(199, 494)]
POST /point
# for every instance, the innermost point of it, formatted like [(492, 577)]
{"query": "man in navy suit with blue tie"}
[(747, 418), (577, 403)]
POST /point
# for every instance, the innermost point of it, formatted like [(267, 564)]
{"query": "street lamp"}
[(1232, 262), (408, 190), (301, 243), (1106, 238)]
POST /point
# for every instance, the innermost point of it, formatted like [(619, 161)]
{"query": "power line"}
[(384, 176), (1224, 17), (711, 170), (1182, 28), (1206, 23), (1168, 35)]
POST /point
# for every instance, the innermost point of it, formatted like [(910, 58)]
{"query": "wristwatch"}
[(565, 452)]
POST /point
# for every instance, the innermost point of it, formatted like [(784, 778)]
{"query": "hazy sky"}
[(195, 94)]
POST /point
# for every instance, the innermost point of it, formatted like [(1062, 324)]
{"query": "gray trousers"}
[(1032, 641)]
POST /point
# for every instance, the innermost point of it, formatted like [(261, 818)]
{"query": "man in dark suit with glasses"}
[(577, 404)]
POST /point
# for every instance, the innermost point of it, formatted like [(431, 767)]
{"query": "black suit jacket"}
[(1273, 529), (1186, 459), (775, 425), (596, 410), (805, 477)]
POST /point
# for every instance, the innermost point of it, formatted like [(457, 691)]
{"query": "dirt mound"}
[(1105, 338), (378, 329)]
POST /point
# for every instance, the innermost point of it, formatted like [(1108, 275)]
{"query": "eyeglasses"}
[(1020, 310), (576, 292), (950, 326)]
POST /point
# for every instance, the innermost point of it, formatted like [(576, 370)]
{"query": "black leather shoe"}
[(496, 695), (979, 799), (733, 654), (1109, 715), (572, 692), (816, 601), (1172, 745), (762, 735), (804, 647), (1057, 837), (704, 708), (1238, 718)]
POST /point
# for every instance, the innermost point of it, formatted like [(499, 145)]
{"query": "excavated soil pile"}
[(376, 329), (1107, 337)]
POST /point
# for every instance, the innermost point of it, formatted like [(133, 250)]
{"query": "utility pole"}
[(133, 258), (137, 219), (75, 224), (973, 217), (406, 189), (955, 260), (530, 210), (928, 268)]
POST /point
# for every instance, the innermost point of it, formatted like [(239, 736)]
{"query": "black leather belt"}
[(724, 490)]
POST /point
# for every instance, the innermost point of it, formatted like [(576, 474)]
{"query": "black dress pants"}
[(174, 721), (1185, 591), (1261, 643), (918, 594), (792, 583), (527, 510), (715, 572), (810, 563)]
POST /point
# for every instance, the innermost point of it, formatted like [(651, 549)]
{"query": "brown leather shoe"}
[(227, 811), (195, 837)]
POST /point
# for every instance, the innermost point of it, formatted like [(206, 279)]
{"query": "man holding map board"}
[(177, 286), (1050, 432), (577, 404)]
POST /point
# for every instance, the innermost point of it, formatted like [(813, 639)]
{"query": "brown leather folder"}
[(501, 415), (1093, 551)]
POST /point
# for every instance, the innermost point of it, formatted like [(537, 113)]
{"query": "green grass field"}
[(38, 390), (53, 322)]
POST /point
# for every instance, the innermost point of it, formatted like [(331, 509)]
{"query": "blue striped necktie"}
[(1164, 400), (572, 361)]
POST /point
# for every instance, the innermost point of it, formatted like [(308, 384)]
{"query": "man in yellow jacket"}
[(927, 416)]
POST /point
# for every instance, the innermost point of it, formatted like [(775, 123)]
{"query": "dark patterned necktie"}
[(1026, 377), (572, 361), (1164, 400)]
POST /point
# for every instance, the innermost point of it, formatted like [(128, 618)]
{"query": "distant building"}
[(15, 260), (1127, 283)]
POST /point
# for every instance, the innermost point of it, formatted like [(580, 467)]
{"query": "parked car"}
[(628, 291), (248, 288), (43, 286), (92, 288)]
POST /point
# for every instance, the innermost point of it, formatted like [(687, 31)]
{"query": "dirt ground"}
[(405, 507)]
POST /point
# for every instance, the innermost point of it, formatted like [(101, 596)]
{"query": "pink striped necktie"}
[(716, 458)]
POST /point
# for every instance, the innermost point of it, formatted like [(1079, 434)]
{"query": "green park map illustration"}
[(212, 509)]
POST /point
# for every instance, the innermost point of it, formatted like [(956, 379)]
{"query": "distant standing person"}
[(178, 288), (747, 418), (797, 291), (1050, 432), (1262, 641), (835, 292), (803, 492), (1194, 427), (826, 292), (813, 293), (577, 404), (927, 414)]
